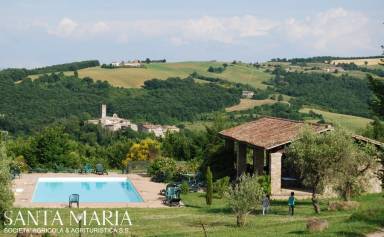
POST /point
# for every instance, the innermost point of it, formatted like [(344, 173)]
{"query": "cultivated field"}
[(135, 77), (249, 104), (370, 61), (352, 123)]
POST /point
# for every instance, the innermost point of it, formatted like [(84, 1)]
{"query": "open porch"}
[(267, 137)]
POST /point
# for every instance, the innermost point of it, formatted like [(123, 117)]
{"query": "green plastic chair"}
[(74, 198), (172, 195), (100, 169), (87, 169)]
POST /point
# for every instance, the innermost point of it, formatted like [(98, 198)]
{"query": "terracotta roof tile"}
[(269, 132)]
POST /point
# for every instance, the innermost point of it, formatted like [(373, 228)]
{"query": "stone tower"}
[(103, 111)]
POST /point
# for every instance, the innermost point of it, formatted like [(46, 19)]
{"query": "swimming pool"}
[(90, 189)]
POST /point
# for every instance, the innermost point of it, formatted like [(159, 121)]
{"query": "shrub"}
[(6, 197), (265, 183), (244, 197), (20, 163), (316, 225), (343, 205), (184, 187), (220, 186), (209, 186), (147, 149), (162, 169)]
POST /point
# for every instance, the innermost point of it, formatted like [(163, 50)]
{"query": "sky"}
[(36, 33)]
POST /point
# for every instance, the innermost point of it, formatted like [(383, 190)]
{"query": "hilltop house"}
[(115, 64), (248, 94), (133, 63), (113, 123), (334, 69)]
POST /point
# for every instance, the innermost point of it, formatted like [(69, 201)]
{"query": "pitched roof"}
[(270, 132)]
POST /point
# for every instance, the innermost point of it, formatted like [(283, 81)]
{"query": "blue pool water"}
[(102, 190)]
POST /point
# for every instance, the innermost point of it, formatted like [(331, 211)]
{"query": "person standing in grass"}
[(265, 204), (291, 203)]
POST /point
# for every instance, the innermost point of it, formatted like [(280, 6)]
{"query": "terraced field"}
[(135, 77)]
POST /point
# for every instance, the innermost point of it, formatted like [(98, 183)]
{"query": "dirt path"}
[(379, 233)]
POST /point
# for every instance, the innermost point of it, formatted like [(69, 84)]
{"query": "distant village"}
[(132, 63), (114, 123)]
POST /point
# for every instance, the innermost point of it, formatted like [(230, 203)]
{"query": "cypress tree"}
[(209, 186)]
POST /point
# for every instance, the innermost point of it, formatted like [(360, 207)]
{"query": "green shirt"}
[(291, 201)]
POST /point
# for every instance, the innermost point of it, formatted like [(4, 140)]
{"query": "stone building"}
[(248, 94), (268, 137), (113, 123), (158, 130)]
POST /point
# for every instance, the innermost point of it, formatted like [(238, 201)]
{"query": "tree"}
[(147, 149), (76, 73), (280, 97), (314, 158), (209, 194), (351, 170), (332, 158), (377, 86), (375, 130), (6, 194), (51, 148), (244, 197)]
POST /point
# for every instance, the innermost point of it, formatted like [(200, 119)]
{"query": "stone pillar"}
[(275, 172), (241, 159), (258, 161)]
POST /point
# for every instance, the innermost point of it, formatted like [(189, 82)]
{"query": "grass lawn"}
[(197, 125), (350, 122), (219, 220)]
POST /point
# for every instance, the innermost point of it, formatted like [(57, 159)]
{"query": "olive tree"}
[(244, 197), (313, 156), (355, 168), (6, 194), (331, 159)]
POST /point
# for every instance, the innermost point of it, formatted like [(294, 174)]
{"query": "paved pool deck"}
[(24, 187)]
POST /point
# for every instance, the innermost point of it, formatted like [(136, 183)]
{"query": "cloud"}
[(99, 27), (65, 28), (207, 28), (226, 30), (335, 29)]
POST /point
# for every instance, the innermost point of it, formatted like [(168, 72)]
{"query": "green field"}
[(135, 77), (352, 123), (218, 219)]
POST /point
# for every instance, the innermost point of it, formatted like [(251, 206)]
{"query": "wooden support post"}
[(241, 159), (258, 161)]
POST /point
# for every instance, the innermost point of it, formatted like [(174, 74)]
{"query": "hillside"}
[(352, 123), (135, 77)]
